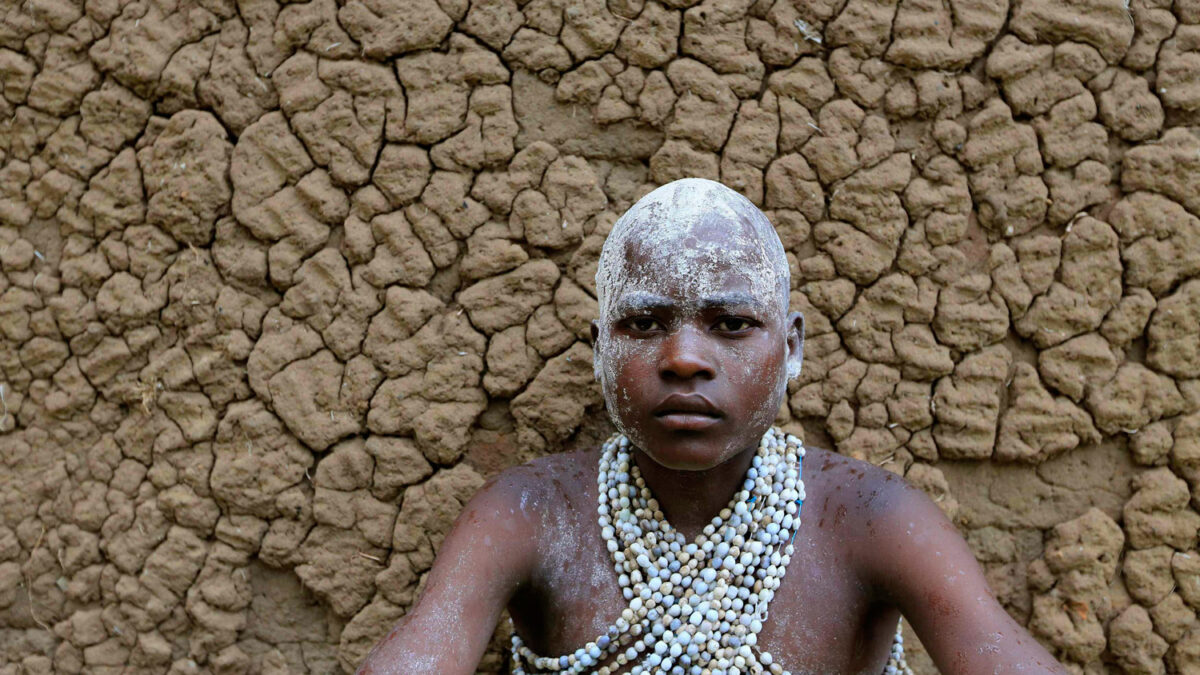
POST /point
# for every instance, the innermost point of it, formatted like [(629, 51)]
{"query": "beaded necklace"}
[(694, 607)]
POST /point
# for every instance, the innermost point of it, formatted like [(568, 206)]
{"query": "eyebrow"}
[(735, 299), (643, 302)]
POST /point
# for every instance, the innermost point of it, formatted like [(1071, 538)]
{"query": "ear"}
[(795, 344), (595, 329)]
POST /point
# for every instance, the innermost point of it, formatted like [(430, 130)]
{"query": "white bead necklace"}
[(698, 607)]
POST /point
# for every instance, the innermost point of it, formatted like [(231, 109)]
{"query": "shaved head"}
[(676, 222)]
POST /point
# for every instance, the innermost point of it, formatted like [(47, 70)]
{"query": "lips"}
[(687, 412), (687, 403)]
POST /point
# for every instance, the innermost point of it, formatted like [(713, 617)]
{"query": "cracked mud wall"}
[(282, 283)]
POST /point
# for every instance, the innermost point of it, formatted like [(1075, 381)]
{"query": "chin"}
[(681, 464), (682, 451)]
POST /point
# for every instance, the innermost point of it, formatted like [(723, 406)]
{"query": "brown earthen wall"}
[(282, 283)]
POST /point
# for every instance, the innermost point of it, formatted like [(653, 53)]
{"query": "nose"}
[(684, 356)]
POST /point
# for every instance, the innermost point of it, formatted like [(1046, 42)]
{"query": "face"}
[(694, 350)]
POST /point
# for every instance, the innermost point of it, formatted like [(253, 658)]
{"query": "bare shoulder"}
[(541, 477), (534, 496), (504, 526), (866, 504), (887, 526), (509, 500), (550, 476), (863, 491)]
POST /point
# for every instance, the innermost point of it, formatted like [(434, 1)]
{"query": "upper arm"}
[(480, 564), (921, 564)]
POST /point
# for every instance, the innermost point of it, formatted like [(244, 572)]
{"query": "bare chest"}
[(822, 619)]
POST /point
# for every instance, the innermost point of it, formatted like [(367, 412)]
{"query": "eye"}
[(733, 324), (644, 324)]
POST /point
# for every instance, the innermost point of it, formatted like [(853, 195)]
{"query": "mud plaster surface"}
[(282, 283)]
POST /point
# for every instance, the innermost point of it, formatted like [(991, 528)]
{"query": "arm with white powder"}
[(921, 564), (483, 560)]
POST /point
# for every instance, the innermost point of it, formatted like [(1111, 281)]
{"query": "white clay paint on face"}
[(660, 225)]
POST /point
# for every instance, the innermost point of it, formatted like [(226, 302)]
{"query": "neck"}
[(690, 499)]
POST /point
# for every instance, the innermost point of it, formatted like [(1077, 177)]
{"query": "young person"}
[(700, 539)]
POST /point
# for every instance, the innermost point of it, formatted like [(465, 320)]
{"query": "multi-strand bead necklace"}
[(694, 607)]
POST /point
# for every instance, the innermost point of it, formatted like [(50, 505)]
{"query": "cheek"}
[(754, 364), (758, 371), (632, 364), (624, 366)]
